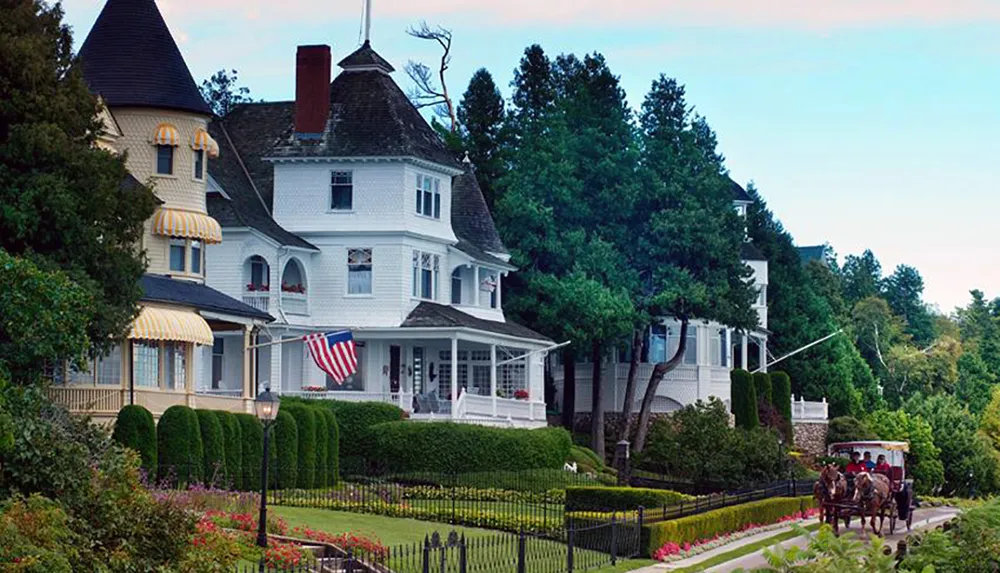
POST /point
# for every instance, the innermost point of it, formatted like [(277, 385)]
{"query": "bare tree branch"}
[(426, 92)]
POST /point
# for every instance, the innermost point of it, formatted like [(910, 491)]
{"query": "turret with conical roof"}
[(131, 60)]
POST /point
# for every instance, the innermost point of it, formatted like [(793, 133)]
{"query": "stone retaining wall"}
[(810, 437)]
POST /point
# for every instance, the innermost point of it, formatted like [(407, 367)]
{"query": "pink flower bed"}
[(671, 551)]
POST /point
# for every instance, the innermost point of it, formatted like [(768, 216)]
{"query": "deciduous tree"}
[(222, 94)]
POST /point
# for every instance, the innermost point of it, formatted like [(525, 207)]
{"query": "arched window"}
[(293, 278), (259, 278), (456, 286)]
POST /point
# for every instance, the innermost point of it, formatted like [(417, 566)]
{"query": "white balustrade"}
[(806, 411), (257, 299)]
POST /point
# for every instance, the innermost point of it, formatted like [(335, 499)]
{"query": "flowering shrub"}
[(246, 522), (214, 550), (356, 542), (300, 289), (255, 288), (280, 555), (200, 498), (672, 551)]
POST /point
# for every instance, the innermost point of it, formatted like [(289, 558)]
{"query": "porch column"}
[(493, 377), (454, 375), (247, 362), (762, 352), (743, 351), (475, 286)]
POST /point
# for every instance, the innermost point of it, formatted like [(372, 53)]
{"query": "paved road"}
[(922, 518)]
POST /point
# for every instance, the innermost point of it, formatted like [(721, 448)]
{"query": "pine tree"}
[(481, 117), (64, 205)]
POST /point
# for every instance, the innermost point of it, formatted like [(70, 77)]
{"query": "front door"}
[(394, 368)]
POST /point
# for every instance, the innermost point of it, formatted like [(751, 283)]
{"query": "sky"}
[(863, 123)]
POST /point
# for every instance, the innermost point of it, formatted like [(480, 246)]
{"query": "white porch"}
[(494, 380)]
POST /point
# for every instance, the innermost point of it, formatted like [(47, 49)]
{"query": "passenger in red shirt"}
[(856, 466), (882, 466)]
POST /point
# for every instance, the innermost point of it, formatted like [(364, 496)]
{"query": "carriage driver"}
[(856, 466)]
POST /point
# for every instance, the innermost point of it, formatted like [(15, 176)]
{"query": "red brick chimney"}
[(312, 91)]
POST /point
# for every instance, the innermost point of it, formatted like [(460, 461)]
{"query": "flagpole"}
[(284, 340)]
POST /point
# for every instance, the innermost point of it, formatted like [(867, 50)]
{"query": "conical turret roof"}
[(130, 59)]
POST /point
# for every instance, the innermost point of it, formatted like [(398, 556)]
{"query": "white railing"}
[(259, 300), (805, 411), (294, 303)]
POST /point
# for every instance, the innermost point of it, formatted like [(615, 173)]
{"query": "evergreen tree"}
[(481, 117), (63, 203), (862, 277), (904, 290)]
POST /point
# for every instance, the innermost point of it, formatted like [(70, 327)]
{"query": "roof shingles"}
[(160, 288), (433, 315)]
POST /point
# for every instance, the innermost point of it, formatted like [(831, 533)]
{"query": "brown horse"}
[(873, 494), (830, 488)]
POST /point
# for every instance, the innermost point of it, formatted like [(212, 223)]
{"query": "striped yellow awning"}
[(203, 141), (158, 323), (187, 224), (166, 134)]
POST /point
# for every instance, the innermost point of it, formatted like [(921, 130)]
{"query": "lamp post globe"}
[(265, 406)]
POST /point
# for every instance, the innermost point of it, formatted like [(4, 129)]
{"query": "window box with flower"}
[(521, 394), (295, 289)]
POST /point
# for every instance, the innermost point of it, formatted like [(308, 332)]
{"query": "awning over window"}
[(158, 323), (187, 224), (166, 134), (203, 141)]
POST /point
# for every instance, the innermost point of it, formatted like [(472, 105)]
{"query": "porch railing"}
[(87, 398), (805, 411), (228, 392), (258, 300)]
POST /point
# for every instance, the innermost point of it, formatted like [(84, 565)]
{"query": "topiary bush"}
[(284, 455), (252, 442), (135, 428), (744, 399), (214, 446), (449, 447), (233, 442), (599, 498), (178, 446), (353, 421), (322, 449), (762, 385), (781, 391), (305, 423), (332, 468)]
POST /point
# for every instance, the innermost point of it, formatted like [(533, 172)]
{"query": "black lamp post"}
[(266, 408)]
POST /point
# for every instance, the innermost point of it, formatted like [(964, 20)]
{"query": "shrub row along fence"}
[(651, 480), (582, 548), (698, 505)]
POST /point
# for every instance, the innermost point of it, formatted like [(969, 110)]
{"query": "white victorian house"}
[(712, 351), (344, 210)]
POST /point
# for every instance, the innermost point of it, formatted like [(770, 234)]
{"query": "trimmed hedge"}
[(762, 385), (213, 443), (781, 386), (322, 449), (305, 422), (449, 447), (744, 398), (233, 440), (331, 471), (719, 521), (252, 439), (135, 428), (178, 445), (283, 467), (354, 419), (598, 498)]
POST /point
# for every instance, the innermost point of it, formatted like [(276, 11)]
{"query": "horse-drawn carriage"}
[(888, 494)]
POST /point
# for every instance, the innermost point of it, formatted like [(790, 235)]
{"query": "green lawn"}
[(549, 510), (542, 555)]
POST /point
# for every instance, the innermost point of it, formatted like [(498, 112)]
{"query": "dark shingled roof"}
[(159, 288), (366, 57), (433, 315), (750, 252), (470, 217), (130, 59), (739, 193), (369, 117), (246, 134), (812, 253)]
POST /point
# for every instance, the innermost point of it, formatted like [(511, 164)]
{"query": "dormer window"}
[(341, 191), (428, 196)]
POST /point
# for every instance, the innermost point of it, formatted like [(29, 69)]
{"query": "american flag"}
[(334, 353)]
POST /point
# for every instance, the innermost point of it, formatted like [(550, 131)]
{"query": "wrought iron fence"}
[(583, 547)]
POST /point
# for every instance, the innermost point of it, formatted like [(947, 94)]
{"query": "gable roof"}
[(750, 252), (433, 315), (130, 59), (160, 288), (244, 136), (370, 116), (470, 217)]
